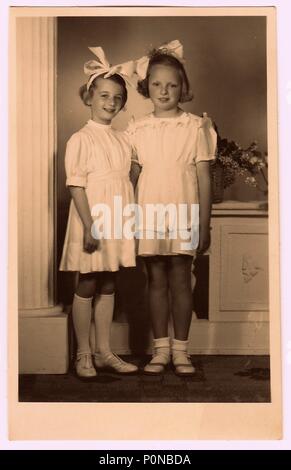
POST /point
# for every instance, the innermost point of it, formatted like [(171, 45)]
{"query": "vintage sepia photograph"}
[(143, 168)]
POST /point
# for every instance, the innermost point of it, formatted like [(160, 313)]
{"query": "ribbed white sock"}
[(162, 347), (179, 347), (103, 315), (82, 312)]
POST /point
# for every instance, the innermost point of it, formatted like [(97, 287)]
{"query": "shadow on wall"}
[(132, 306)]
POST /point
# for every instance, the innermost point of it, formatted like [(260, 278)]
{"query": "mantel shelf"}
[(229, 208)]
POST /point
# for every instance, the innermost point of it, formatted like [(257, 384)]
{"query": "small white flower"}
[(254, 160), (251, 181)]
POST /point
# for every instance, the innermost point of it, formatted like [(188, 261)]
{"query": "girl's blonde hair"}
[(162, 58)]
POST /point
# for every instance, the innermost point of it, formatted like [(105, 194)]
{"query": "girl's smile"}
[(106, 101), (165, 89)]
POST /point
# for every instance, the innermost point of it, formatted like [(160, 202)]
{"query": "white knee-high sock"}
[(82, 312), (92, 336), (103, 315)]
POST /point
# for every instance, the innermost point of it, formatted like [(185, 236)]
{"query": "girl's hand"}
[(206, 121), (204, 240), (90, 244)]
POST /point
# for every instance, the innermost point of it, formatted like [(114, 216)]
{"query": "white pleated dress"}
[(98, 159), (168, 150)]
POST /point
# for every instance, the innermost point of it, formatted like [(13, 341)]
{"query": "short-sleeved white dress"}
[(98, 159), (168, 150)]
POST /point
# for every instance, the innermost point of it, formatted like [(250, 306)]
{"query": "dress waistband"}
[(168, 168), (110, 174)]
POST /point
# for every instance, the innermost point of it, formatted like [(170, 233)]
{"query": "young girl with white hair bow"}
[(97, 164), (171, 154)]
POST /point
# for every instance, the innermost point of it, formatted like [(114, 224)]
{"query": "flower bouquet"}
[(232, 160)]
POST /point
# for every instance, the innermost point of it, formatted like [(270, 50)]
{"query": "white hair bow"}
[(173, 48), (94, 68)]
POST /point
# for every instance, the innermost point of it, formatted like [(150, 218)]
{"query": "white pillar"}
[(43, 326)]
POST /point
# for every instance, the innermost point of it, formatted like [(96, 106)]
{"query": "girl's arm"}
[(135, 170), (205, 201), (81, 202)]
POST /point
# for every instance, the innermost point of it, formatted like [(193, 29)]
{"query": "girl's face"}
[(106, 101), (165, 89)]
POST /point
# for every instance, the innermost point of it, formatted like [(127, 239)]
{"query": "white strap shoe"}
[(161, 357), (181, 359), (113, 362), (84, 367)]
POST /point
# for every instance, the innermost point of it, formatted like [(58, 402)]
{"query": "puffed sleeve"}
[(206, 143), (131, 134), (76, 158)]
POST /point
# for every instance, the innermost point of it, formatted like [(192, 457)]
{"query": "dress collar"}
[(168, 118), (97, 124)]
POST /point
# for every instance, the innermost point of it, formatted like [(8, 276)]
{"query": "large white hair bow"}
[(173, 48), (94, 68)]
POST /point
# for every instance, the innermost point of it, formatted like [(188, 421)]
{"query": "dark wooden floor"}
[(221, 379)]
